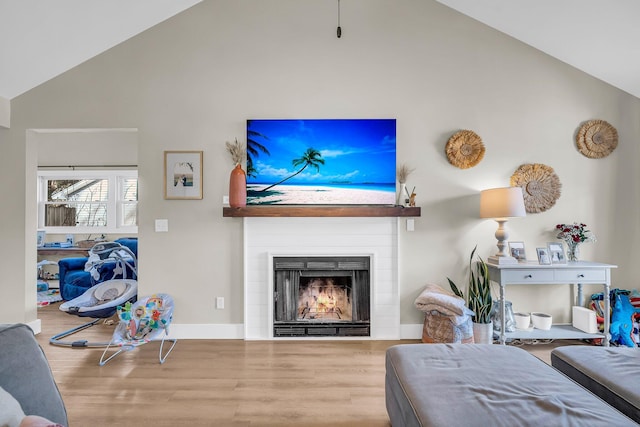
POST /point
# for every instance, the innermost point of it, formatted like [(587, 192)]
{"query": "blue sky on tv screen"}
[(354, 151)]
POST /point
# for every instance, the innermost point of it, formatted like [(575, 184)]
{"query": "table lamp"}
[(501, 204)]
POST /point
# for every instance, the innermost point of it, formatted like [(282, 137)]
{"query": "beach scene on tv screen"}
[(321, 161)]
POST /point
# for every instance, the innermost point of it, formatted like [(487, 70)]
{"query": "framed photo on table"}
[(543, 256), (556, 252), (516, 250), (183, 175)]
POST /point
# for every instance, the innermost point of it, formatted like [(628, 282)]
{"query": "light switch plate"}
[(162, 225), (411, 225)]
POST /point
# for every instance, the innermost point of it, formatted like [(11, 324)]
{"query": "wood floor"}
[(221, 382)]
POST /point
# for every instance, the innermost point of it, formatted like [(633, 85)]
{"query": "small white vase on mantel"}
[(401, 194)]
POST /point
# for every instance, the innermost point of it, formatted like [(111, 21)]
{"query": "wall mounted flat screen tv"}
[(321, 161)]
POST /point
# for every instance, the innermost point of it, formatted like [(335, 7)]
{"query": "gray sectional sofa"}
[(25, 374), (608, 372), (486, 385)]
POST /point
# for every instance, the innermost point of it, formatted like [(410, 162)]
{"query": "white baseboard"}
[(207, 331), (36, 326), (411, 332), (236, 331)]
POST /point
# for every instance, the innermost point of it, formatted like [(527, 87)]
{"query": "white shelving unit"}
[(557, 332), (579, 273)]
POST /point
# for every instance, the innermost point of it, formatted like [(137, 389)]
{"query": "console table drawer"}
[(527, 276), (578, 276)]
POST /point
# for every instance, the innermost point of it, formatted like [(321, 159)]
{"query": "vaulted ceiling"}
[(42, 39), (599, 37)]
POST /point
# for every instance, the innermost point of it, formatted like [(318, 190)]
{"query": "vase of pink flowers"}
[(574, 234)]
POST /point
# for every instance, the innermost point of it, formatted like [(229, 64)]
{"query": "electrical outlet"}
[(220, 303), (225, 200)]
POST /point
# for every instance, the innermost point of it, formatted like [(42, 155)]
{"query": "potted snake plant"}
[(478, 298)]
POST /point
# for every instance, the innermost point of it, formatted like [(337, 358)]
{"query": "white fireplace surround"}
[(268, 237)]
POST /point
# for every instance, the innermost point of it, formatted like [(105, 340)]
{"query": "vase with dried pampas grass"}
[(403, 173), (238, 178)]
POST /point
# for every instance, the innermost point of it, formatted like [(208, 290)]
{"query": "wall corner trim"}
[(5, 113)]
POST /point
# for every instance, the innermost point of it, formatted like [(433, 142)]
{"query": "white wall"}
[(191, 82), (87, 147)]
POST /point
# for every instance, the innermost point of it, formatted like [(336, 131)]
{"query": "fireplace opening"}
[(324, 298), (321, 296)]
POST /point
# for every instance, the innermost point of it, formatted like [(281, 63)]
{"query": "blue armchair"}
[(74, 281)]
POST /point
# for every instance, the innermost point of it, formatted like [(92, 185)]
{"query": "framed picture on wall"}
[(543, 256), (183, 175), (556, 252), (516, 249)]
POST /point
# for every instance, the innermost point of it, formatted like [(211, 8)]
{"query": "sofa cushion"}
[(608, 372), (485, 385), (26, 375), (79, 278)]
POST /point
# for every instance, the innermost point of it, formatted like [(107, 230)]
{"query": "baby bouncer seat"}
[(146, 320), (101, 300)]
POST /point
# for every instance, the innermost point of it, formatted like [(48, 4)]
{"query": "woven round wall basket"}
[(596, 139), (464, 149), (540, 186)]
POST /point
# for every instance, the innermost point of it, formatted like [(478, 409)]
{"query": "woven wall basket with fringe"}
[(540, 186), (464, 149), (596, 139)]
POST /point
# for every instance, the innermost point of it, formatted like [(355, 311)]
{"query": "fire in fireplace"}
[(321, 296)]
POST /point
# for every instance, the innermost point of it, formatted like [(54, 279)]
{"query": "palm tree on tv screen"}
[(253, 149), (311, 157)]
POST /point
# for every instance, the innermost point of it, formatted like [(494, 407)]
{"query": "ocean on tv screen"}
[(321, 161)]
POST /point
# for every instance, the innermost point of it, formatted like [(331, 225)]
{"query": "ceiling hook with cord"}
[(339, 29)]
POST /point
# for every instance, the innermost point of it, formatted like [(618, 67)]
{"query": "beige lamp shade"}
[(500, 204), (504, 202)]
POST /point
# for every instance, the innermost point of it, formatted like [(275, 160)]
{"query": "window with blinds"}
[(88, 201)]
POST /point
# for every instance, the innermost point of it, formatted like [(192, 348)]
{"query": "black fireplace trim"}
[(333, 329), (329, 263)]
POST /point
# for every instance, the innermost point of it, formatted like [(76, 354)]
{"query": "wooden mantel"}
[(321, 211)]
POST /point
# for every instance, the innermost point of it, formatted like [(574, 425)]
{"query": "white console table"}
[(579, 273)]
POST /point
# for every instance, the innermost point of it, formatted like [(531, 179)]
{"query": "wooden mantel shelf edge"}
[(321, 211)]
